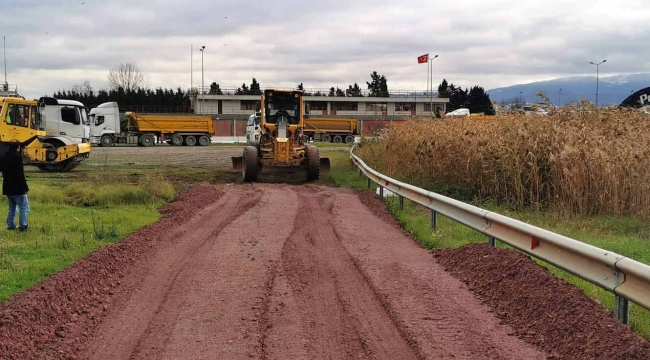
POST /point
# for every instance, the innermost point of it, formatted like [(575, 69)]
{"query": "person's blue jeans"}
[(21, 202)]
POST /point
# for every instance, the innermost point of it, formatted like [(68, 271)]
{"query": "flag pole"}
[(428, 73)]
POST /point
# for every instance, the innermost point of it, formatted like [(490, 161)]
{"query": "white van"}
[(459, 112)]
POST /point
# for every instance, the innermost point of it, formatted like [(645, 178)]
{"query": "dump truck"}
[(332, 129), (148, 129), (23, 120), (316, 129), (282, 144)]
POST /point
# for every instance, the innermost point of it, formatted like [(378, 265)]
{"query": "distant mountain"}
[(612, 90)]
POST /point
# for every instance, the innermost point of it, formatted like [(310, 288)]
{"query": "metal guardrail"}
[(628, 279)]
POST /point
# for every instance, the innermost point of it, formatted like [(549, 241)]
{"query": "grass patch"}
[(627, 236), (76, 213)]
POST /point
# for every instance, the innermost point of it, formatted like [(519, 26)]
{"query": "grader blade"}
[(237, 163), (324, 165)]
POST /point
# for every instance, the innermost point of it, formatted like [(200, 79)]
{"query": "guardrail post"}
[(368, 183), (434, 219), (381, 192), (622, 309), (492, 241), (401, 202), (359, 171)]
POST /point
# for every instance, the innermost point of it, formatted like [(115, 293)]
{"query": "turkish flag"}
[(422, 59)]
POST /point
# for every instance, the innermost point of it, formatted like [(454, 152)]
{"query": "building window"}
[(376, 106), (317, 105), (248, 104), (427, 107), (345, 106), (404, 106)]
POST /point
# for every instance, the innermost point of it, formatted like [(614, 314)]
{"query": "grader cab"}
[(282, 145)]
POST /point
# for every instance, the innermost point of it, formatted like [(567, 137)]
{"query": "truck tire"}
[(147, 140), (338, 139), (313, 163), (106, 141), (204, 140), (190, 140), (251, 164), (349, 139), (326, 138), (176, 140)]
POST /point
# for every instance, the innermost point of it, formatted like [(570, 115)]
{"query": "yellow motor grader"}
[(282, 145), (22, 120)]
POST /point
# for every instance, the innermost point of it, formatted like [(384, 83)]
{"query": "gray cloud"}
[(53, 45)]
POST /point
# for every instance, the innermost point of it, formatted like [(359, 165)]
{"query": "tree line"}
[(126, 89), (475, 99)]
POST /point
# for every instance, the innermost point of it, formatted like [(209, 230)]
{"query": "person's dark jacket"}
[(13, 174)]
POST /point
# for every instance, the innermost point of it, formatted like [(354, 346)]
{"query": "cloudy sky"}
[(52, 45)]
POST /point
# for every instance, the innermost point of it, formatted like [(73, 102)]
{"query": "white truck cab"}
[(253, 128), (66, 117), (104, 123)]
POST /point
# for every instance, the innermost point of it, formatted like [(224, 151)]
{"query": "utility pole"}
[(202, 86), (597, 65), (560, 101), (4, 52)]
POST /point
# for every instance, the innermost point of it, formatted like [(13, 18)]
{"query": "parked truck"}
[(331, 129), (315, 129), (148, 129)]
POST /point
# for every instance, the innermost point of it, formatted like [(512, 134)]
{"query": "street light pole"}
[(559, 104), (431, 92), (202, 85), (597, 65)]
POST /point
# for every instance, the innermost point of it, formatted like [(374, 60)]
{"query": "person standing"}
[(14, 186)]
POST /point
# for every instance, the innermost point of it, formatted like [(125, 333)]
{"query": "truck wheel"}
[(326, 138), (313, 163), (176, 140), (204, 140), (338, 139), (147, 140), (250, 164), (106, 140), (349, 139), (190, 140)]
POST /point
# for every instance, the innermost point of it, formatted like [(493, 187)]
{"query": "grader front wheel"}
[(313, 163), (251, 164)]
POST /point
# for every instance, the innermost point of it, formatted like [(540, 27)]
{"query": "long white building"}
[(398, 106)]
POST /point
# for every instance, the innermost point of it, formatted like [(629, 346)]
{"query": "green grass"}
[(624, 235), (73, 214)]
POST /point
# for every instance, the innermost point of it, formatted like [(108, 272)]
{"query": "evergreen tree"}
[(479, 102), (332, 92), (379, 86), (339, 92), (353, 91), (215, 89), (443, 89), (255, 88)]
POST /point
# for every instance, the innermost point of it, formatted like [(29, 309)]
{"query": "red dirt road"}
[(266, 272), (300, 272)]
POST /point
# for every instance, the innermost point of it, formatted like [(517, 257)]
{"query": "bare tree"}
[(126, 76), (84, 89)]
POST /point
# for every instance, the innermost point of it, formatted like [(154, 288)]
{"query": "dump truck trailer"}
[(331, 129), (148, 129)]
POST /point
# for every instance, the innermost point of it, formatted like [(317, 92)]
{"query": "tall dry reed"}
[(575, 160)]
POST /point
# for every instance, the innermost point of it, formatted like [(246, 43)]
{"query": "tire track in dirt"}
[(143, 325), (342, 317), (227, 305), (434, 311)]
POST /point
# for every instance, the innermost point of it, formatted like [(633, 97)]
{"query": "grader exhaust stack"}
[(282, 147)]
